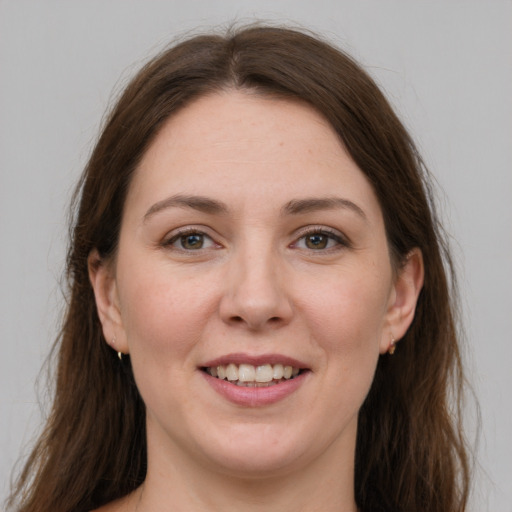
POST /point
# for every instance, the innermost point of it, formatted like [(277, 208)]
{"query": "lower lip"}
[(255, 396)]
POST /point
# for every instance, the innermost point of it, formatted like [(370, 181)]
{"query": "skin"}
[(257, 286)]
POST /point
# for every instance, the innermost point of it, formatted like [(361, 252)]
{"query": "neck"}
[(178, 483)]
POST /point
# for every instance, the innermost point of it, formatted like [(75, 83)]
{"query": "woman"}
[(254, 236)]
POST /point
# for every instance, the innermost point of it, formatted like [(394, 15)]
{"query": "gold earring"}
[(392, 346), (113, 343)]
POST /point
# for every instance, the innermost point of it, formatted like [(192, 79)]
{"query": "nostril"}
[(237, 320)]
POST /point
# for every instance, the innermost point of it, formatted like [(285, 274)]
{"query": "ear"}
[(104, 285), (403, 299)]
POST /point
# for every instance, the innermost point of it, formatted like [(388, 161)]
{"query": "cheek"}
[(164, 317), (162, 314), (346, 315), (348, 312)]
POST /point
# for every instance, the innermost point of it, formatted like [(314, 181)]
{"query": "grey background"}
[(445, 65)]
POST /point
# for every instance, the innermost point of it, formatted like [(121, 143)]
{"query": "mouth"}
[(254, 376), (255, 380)]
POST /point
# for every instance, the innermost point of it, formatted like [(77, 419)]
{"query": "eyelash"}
[(184, 233), (341, 241)]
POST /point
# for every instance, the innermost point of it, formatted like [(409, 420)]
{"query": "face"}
[(251, 248)]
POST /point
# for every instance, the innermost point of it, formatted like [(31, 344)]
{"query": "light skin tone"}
[(249, 230)]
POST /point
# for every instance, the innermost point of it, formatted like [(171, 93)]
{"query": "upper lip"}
[(255, 360)]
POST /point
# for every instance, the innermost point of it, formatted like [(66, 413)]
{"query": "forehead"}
[(246, 147)]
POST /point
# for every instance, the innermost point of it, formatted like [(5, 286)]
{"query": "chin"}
[(257, 452), (258, 465)]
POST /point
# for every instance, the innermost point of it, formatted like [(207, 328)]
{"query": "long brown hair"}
[(410, 453)]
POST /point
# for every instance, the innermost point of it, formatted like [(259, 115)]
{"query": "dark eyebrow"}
[(201, 203), (300, 206)]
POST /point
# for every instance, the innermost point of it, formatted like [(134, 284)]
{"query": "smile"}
[(250, 380), (248, 375)]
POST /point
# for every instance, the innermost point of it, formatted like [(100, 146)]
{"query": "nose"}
[(255, 295)]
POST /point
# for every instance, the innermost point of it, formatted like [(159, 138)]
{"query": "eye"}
[(320, 239), (190, 240)]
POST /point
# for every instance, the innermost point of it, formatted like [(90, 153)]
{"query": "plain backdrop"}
[(445, 65)]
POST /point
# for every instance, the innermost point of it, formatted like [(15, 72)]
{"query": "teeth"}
[(246, 373), (253, 376), (255, 384), (232, 372), (264, 373), (278, 371), (221, 372)]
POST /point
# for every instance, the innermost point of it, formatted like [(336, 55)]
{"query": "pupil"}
[(192, 241), (316, 241)]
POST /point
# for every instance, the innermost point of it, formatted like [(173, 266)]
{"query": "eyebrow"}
[(200, 203), (214, 207), (307, 205)]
